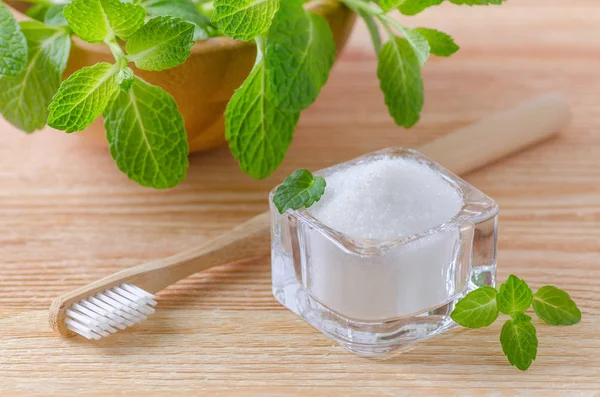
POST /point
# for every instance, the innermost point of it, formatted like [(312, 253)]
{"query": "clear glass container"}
[(376, 296)]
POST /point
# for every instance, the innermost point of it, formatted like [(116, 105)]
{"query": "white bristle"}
[(109, 311)]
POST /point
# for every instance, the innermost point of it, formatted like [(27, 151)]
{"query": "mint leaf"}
[(555, 306), (82, 97), (184, 9), (55, 17), (13, 45), (24, 99), (162, 43), (514, 295), (301, 189), (258, 133), (299, 54), (388, 5), (244, 19), (125, 78), (440, 43), (147, 136), (477, 2), (418, 43), (37, 12), (98, 20), (519, 341), (477, 309), (399, 75), (414, 7)]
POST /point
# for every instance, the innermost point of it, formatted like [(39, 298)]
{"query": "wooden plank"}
[(68, 217)]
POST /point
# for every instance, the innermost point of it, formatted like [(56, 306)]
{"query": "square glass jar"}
[(376, 296)]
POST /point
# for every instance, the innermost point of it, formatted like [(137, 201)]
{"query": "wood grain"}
[(68, 217)]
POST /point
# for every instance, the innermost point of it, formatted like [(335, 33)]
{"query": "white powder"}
[(385, 199)]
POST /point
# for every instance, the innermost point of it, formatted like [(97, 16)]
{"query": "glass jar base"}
[(371, 339)]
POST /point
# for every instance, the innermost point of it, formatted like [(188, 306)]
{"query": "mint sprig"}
[(299, 190), (295, 53), (518, 337)]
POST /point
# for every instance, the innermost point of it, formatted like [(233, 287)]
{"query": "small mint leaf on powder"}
[(13, 45), (244, 19), (258, 133), (519, 341), (514, 296), (399, 74), (477, 309), (147, 136), (440, 43), (184, 9), (24, 98), (82, 97), (97, 20), (301, 189), (299, 54), (162, 43), (555, 306)]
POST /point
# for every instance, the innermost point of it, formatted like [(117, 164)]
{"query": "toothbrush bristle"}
[(109, 311)]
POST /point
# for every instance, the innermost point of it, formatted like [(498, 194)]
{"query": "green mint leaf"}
[(258, 133), (24, 99), (55, 17), (37, 12), (414, 7), (555, 306), (97, 20), (388, 5), (400, 80), (162, 43), (147, 136), (440, 43), (301, 189), (13, 45), (519, 341), (514, 295), (244, 19), (125, 78), (477, 309), (418, 43), (477, 2), (82, 97), (184, 9), (299, 54)]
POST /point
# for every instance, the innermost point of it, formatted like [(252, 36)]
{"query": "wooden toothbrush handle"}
[(500, 134), (247, 240)]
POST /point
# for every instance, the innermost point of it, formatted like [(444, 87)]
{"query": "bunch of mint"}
[(518, 337), (146, 133)]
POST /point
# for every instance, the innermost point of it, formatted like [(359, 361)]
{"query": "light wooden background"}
[(67, 217)]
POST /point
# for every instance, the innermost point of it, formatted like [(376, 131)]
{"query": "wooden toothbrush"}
[(124, 298)]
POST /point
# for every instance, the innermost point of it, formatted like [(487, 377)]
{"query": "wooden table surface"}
[(68, 217)]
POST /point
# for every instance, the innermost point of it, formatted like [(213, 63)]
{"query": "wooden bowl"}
[(203, 85)]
